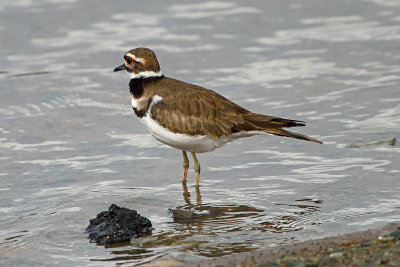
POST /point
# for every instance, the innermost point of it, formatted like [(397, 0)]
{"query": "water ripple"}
[(335, 30), (210, 9)]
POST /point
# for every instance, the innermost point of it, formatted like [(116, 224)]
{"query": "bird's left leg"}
[(185, 166), (197, 169)]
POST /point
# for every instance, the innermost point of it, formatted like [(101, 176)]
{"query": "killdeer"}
[(189, 117)]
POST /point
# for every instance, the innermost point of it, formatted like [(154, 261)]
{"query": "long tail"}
[(282, 132), (273, 125)]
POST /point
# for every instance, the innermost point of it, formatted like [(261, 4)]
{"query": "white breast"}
[(134, 103)]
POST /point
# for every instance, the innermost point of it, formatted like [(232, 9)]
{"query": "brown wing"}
[(193, 110), (190, 109)]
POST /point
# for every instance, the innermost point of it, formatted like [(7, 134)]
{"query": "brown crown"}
[(147, 60)]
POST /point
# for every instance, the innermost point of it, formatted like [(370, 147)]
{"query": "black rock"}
[(117, 225)]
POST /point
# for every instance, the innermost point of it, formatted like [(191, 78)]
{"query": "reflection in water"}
[(334, 30), (127, 254), (186, 195), (294, 222), (196, 215), (196, 224)]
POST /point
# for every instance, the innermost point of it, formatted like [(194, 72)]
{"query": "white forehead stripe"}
[(137, 59), (145, 74)]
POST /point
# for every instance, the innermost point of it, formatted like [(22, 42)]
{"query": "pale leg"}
[(197, 169), (185, 166)]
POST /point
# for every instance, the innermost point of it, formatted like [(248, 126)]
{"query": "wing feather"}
[(197, 111), (190, 109)]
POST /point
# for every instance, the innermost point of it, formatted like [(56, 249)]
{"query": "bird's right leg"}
[(196, 170), (185, 166)]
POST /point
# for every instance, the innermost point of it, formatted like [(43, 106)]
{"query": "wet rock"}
[(117, 225), (396, 235), (336, 255), (386, 238), (367, 243)]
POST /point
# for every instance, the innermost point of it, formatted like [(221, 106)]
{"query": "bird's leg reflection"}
[(198, 196), (193, 216), (189, 214), (186, 195)]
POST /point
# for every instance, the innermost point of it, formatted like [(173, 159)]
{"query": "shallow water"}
[(70, 145)]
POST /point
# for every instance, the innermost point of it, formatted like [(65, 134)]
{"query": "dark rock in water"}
[(117, 225)]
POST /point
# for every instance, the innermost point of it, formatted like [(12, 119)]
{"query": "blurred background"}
[(70, 144)]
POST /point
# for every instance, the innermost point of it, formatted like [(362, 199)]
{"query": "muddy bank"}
[(367, 248), (331, 251)]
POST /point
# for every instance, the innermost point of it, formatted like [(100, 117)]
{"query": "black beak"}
[(122, 67)]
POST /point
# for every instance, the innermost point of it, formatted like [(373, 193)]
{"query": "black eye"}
[(128, 60)]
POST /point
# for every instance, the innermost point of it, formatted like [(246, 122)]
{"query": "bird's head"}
[(141, 63)]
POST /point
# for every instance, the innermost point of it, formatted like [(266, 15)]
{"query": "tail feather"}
[(269, 121), (282, 132), (273, 125)]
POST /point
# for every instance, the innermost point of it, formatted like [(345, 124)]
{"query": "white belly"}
[(197, 144)]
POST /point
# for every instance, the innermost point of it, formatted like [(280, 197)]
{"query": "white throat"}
[(145, 74)]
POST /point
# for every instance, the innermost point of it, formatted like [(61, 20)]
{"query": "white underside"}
[(196, 144)]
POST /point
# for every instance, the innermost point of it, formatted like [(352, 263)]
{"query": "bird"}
[(189, 117)]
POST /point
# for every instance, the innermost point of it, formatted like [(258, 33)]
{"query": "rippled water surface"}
[(70, 145)]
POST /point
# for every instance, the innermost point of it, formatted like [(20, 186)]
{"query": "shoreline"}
[(328, 251)]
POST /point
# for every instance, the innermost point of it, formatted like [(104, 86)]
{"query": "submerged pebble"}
[(117, 225)]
